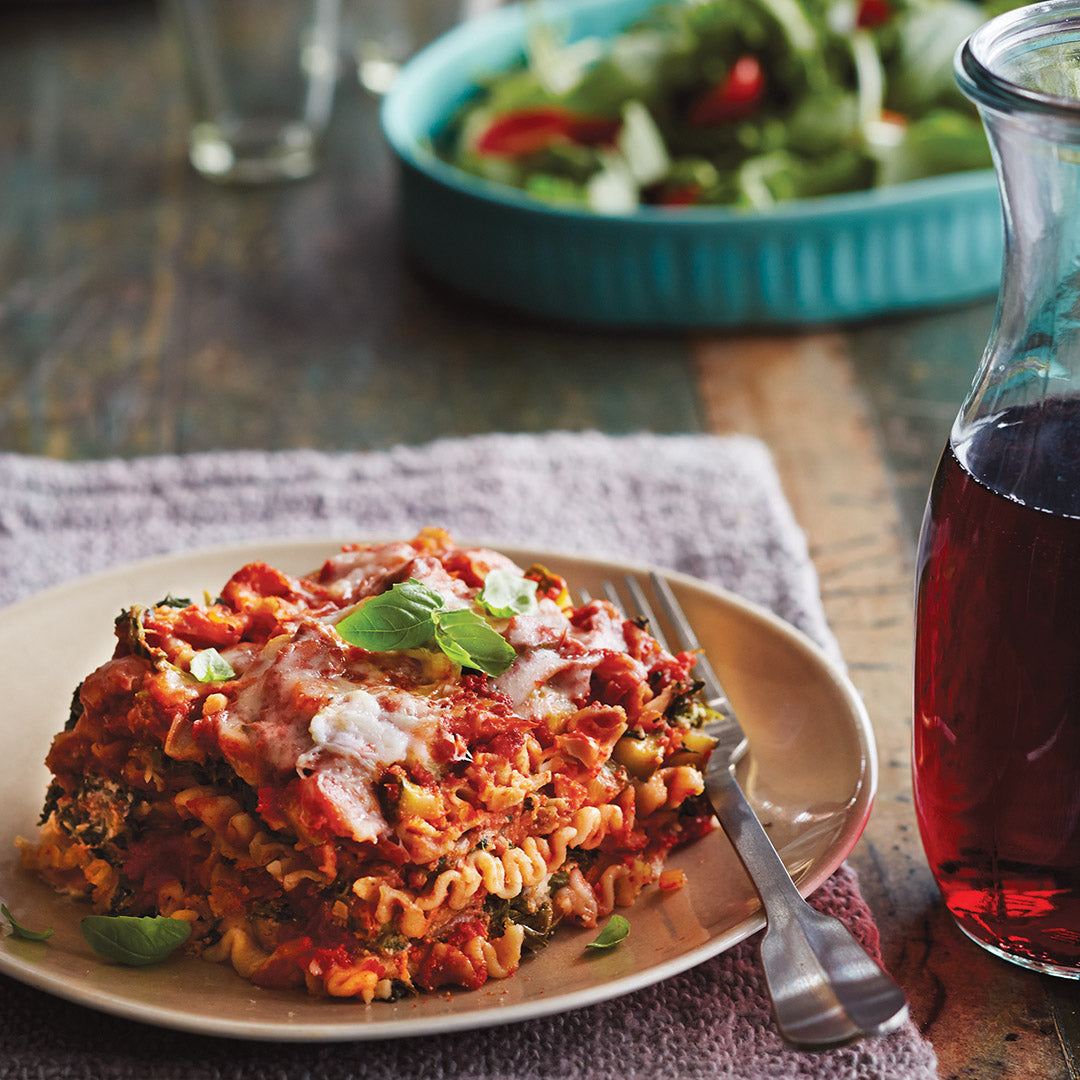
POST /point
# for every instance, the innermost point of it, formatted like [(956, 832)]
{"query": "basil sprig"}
[(469, 641), (411, 615), (402, 618), (135, 940), (21, 931), (505, 594), (208, 665), (617, 928)]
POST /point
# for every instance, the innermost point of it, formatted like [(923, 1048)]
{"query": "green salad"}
[(741, 103)]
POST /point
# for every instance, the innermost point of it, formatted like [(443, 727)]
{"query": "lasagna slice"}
[(378, 818)]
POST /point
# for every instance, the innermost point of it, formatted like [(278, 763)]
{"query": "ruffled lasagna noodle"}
[(369, 824)]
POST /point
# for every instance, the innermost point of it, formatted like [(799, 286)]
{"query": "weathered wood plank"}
[(145, 310), (914, 373), (986, 1018)]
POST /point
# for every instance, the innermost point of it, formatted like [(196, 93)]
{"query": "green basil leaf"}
[(616, 929), (409, 615), (133, 939), (400, 618), (21, 931), (209, 665), (505, 594), (468, 640)]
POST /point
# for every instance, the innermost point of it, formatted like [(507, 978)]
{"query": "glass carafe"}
[(996, 748)]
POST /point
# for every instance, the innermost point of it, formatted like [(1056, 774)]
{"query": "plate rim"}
[(487, 1013)]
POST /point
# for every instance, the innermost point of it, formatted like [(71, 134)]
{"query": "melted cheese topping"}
[(308, 714), (355, 736), (393, 727), (314, 707), (556, 659)]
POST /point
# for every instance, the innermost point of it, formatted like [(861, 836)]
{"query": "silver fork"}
[(825, 989)]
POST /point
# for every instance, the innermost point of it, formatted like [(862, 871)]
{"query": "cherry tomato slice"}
[(527, 131), (735, 97)]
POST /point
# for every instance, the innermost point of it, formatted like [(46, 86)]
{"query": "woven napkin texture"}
[(711, 507)]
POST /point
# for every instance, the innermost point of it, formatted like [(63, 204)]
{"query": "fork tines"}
[(682, 631), (732, 740)]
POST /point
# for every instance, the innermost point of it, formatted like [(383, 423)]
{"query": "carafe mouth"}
[(1026, 61)]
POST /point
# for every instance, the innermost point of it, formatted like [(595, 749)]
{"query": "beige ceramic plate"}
[(811, 774)]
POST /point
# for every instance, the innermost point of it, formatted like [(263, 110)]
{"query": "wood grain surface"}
[(803, 396), (143, 310)]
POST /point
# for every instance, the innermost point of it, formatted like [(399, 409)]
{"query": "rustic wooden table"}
[(143, 310)]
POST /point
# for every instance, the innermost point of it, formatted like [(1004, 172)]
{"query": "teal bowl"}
[(926, 243)]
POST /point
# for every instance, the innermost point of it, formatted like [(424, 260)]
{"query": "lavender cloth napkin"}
[(712, 507)]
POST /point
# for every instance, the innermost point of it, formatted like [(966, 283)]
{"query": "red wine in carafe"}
[(997, 683)]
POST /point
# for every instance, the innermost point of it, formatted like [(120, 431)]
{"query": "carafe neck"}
[(1022, 70)]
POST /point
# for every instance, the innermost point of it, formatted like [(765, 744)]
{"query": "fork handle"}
[(825, 988)]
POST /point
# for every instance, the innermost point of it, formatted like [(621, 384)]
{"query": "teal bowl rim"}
[(923, 244), (507, 23)]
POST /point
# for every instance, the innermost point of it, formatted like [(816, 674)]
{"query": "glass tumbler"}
[(260, 77), (996, 734)]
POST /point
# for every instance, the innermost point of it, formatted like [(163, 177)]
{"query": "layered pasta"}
[(367, 822)]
